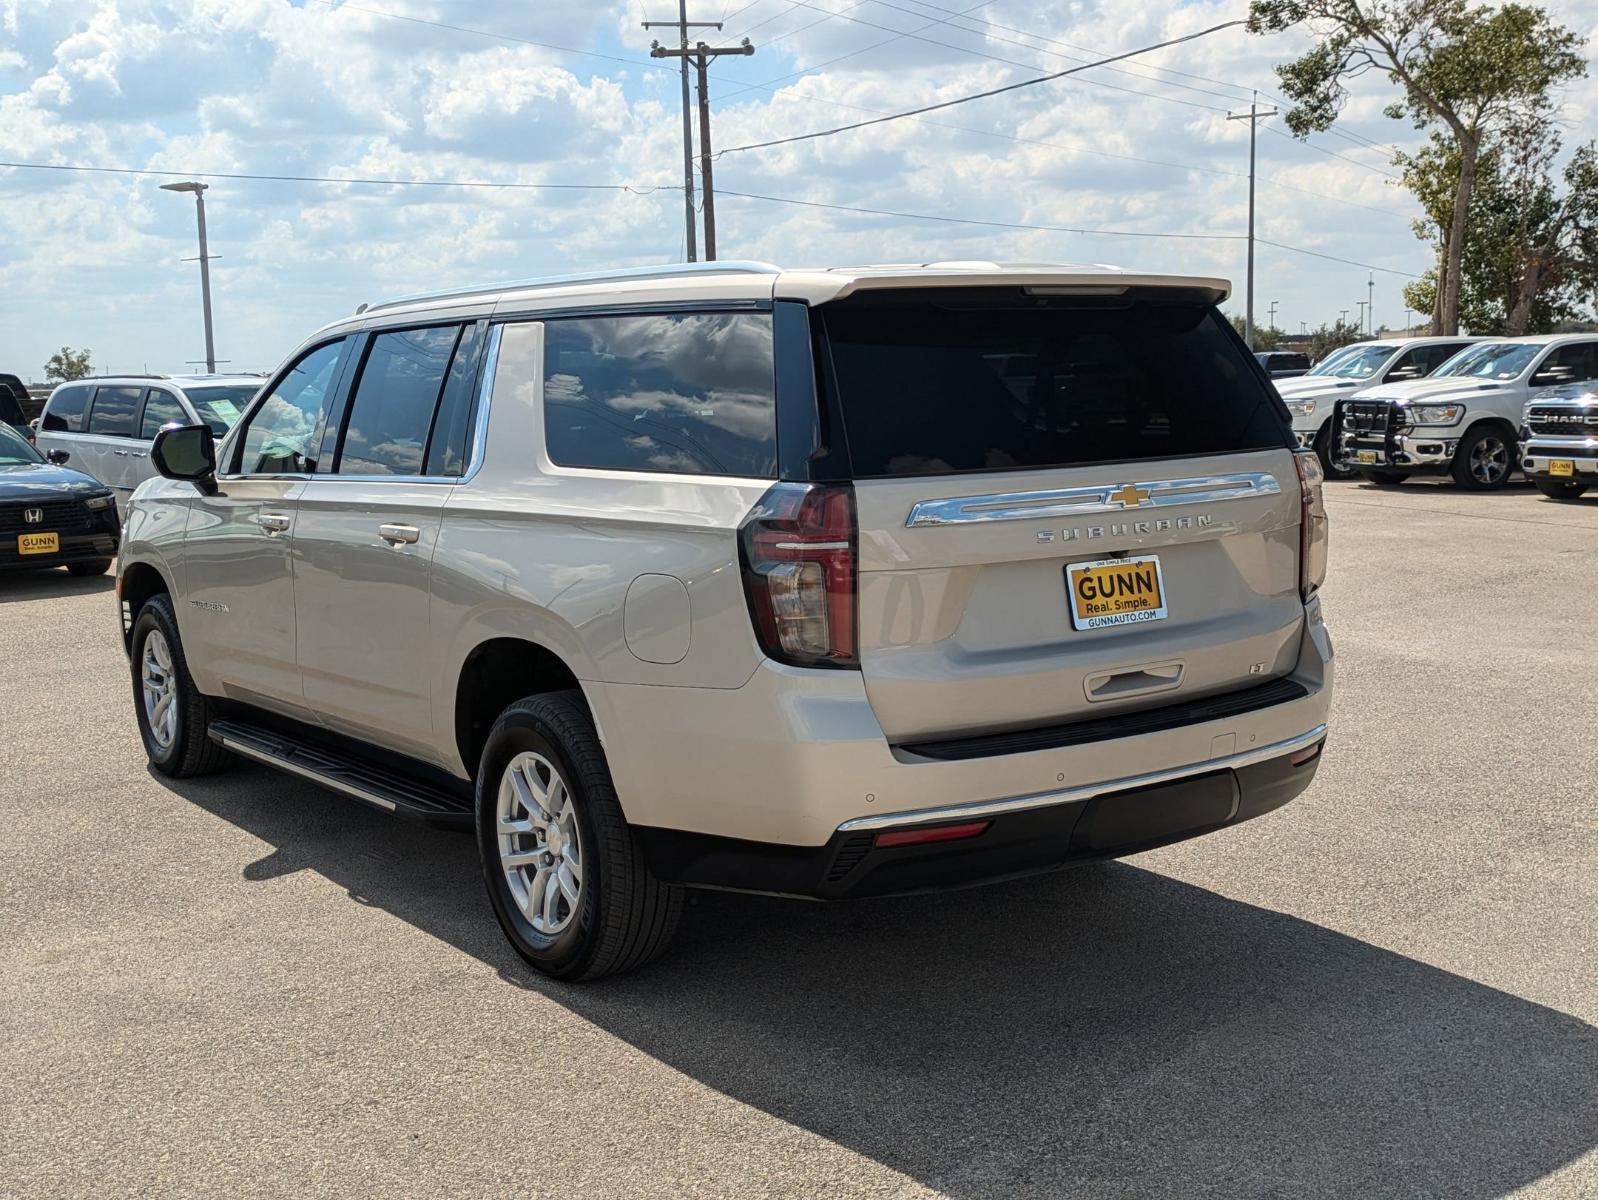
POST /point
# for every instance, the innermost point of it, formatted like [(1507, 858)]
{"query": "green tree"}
[(1327, 338), (1264, 338), (1467, 72), (66, 364)]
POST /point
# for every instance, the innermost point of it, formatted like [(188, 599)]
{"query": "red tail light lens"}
[(1312, 525), (798, 546)]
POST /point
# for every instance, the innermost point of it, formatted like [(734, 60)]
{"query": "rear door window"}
[(391, 414), (160, 408), (934, 385), (65, 410), (683, 393), (114, 410)]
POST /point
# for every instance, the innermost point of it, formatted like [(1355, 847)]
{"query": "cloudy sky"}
[(563, 92)]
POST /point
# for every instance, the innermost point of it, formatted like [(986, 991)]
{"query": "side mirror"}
[(186, 452), (1399, 373), (58, 457)]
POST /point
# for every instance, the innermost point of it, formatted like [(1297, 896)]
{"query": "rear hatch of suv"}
[(1069, 505)]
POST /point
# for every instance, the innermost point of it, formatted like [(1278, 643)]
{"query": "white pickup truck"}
[(1464, 419), (1351, 371)]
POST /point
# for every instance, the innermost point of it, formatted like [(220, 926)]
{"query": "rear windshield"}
[(934, 386)]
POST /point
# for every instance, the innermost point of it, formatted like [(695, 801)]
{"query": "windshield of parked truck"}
[(1361, 362), (1490, 360), (934, 383), (219, 407)]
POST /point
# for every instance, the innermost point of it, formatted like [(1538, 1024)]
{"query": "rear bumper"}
[(795, 757), (1053, 833)]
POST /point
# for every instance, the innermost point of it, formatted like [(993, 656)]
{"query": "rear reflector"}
[(1310, 754), (936, 833)]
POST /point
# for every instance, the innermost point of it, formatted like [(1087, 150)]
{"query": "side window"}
[(114, 409), (64, 413), (391, 413), (160, 407), (689, 393), (446, 449), (1412, 364), (279, 438), (1436, 356), (1568, 364)]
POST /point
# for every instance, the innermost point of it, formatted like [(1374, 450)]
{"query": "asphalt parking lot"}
[(1389, 988)]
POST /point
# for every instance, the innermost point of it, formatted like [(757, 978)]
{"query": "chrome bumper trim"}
[(996, 808), (1085, 501)]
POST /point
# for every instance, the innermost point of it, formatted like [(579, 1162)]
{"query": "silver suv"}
[(107, 424), (822, 583)]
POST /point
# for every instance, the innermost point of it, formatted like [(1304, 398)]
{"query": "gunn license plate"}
[(38, 543), (1365, 456), (1115, 591), (1562, 466)]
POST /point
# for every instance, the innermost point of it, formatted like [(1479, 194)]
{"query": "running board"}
[(388, 790)]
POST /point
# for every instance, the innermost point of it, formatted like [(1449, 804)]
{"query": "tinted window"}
[(14, 450), (285, 429), (11, 410), (159, 408), (114, 410), (1436, 356), (1568, 364), (65, 409), (392, 412), (692, 393), (219, 407), (446, 449), (931, 387)]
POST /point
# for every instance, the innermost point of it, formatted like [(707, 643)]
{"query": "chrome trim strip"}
[(316, 777), (996, 808), (1085, 501)]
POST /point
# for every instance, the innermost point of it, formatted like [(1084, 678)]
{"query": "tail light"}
[(798, 546), (1312, 525)]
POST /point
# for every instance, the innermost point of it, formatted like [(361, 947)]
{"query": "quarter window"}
[(113, 411), (392, 412), (64, 414), (687, 393), (160, 408), (285, 429)]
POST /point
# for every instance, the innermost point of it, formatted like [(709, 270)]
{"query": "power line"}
[(1009, 87), (1123, 233), (635, 189)]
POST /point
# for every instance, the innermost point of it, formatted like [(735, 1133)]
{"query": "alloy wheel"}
[(159, 689), (1489, 459), (540, 845)]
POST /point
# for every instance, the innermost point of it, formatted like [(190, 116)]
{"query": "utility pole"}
[(1342, 316), (1272, 325), (701, 55), (1370, 304), (1252, 116), (682, 24), (205, 263)]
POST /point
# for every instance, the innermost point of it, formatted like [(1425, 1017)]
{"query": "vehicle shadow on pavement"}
[(1107, 1030), (51, 585)]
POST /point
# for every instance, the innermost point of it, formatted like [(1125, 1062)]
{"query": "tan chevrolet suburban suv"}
[(822, 583)]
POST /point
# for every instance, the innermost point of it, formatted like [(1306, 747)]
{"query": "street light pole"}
[(205, 263)]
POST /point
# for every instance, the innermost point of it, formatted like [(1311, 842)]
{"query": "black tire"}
[(1384, 478), (1323, 451), (623, 915), (1494, 447), (1556, 489), (95, 566), (189, 751)]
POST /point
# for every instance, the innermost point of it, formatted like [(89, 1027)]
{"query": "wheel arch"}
[(492, 675), (137, 582)]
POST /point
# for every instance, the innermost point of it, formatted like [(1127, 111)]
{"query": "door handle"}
[(399, 535), (273, 522)]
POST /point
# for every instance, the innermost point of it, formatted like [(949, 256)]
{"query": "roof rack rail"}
[(113, 375), (664, 271)]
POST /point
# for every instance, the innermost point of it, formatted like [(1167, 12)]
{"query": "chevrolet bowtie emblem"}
[(1130, 496)]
